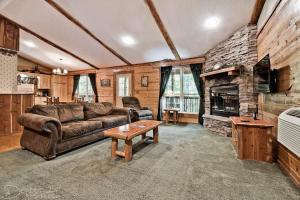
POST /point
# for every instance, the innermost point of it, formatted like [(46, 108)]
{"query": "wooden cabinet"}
[(44, 81), (59, 87), (290, 163), (11, 106), (252, 139), (9, 35)]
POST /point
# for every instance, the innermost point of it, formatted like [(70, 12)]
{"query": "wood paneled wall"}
[(280, 39), (12, 106), (148, 96)]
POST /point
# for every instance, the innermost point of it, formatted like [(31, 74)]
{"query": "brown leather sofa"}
[(54, 129)]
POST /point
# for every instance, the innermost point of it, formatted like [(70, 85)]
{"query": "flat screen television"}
[(265, 78)]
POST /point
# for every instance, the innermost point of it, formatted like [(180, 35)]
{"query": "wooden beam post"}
[(259, 4), (82, 27), (162, 28), (51, 43)]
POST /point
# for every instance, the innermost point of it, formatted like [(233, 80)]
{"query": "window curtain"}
[(165, 73), (75, 84), (94, 85), (196, 71)]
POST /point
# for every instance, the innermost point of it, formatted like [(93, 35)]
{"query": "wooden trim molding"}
[(51, 43), (165, 63), (259, 4), (82, 27), (162, 28)]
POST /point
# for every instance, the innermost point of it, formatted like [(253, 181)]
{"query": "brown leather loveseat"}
[(54, 129)]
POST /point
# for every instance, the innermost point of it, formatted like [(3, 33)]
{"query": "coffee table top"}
[(129, 131)]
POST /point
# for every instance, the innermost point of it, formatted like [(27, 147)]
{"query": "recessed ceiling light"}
[(128, 40), (212, 22), (29, 43)]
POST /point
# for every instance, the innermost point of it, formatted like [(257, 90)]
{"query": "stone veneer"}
[(239, 49)]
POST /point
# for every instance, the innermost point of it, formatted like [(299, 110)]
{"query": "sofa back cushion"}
[(92, 110), (45, 110), (70, 112)]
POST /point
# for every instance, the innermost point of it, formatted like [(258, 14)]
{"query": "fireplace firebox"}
[(224, 100)]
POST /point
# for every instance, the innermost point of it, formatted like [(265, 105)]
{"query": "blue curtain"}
[(165, 73), (196, 71)]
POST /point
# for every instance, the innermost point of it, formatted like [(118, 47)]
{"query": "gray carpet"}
[(188, 163)]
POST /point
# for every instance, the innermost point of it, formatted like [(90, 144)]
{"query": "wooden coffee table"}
[(128, 132)]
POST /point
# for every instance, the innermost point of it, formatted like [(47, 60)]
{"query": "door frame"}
[(115, 83)]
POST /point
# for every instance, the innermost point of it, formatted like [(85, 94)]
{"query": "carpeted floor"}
[(188, 163)]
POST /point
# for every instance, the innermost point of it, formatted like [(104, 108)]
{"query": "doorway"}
[(123, 87)]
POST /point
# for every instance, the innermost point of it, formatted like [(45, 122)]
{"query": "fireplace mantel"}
[(231, 71)]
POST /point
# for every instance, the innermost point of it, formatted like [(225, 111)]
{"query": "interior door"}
[(123, 87)]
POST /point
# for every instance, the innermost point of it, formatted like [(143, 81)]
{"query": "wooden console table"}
[(171, 114), (252, 139)]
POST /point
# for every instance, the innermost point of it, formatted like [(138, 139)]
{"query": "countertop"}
[(249, 121)]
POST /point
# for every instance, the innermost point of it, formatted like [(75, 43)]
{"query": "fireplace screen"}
[(225, 100)]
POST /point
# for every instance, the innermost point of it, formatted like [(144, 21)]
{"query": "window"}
[(84, 89), (123, 86), (181, 91)]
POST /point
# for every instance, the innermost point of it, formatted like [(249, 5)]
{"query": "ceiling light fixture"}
[(128, 40), (29, 43), (60, 70), (212, 22)]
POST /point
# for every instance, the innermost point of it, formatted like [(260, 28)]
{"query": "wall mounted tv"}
[(265, 78)]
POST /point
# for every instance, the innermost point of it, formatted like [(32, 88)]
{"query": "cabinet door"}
[(44, 82)]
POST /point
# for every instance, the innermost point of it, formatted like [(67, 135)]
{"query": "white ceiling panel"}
[(40, 17), (184, 20), (46, 54), (110, 20)]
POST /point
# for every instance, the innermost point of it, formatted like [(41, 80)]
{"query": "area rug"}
[(189, 162)]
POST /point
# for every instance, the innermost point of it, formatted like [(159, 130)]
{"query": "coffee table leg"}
[(114, 147), (128, 150), (155, 135)]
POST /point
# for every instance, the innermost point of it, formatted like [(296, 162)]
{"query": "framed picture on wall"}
[(144, 81), (105, 82)]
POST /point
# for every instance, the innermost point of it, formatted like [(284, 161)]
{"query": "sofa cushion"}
[(143, 113), (70, 112), (92, 110), (110, 121), (45, 110), (64, 112), (79, 128), (77, 111)]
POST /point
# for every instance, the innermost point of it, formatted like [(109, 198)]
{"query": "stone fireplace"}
[(230, 94)]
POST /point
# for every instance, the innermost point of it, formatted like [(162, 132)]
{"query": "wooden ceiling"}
[(91, 34)]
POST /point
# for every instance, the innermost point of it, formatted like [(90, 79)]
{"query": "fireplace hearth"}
[(224, 100)]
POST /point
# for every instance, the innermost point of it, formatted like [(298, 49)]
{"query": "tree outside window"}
[(85, 90), (181, 91)]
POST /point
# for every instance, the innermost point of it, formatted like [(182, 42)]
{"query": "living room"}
[(149, 99)]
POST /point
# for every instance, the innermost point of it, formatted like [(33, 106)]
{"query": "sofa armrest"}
[(39, 123), (121, 111)]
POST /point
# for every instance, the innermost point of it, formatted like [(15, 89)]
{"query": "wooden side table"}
[(171, 114), (252, 139)]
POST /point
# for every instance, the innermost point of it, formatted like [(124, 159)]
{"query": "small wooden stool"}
[(171, 114)]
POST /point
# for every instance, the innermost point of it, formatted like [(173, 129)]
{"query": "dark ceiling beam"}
[(162, 28), (82, 27), (50, 43), (259, 4)]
